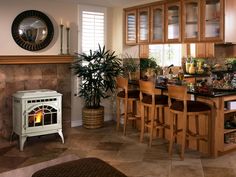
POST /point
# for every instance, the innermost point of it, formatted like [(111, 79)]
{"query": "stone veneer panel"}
[(27, 77)]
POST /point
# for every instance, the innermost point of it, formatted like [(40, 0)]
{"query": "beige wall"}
[(56, 10)]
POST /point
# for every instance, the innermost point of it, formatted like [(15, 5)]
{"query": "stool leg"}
[(187, 129), (142, 122), (183, 137), (197, 130), (125, 116), (117, 114), (209, 140), (152, 125), (171, 115)]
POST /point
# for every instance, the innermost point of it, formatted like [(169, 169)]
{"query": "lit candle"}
[(68, 24), (61, 22)]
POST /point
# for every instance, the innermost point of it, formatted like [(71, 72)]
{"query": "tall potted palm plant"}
[(97, 71)]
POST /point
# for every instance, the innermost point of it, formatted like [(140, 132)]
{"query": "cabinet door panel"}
[(131, 26), (157, 24), (191, 21), (143, 25), (173, 22), (213, 25)]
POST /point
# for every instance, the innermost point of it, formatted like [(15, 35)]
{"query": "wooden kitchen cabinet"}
[(131, 27), (191, 21), (218, 23), (143, 25), (213, 20), (176, 21), (173, 22), (157, 26)]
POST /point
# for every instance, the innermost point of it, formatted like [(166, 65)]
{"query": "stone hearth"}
[(32, 76)]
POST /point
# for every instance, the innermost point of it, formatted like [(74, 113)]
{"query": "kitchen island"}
[(221, 139)]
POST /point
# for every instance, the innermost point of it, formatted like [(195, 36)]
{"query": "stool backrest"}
[(122, 83), (177, 92), (147, 87)]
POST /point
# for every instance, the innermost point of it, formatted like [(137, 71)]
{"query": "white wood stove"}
[(37, 112)]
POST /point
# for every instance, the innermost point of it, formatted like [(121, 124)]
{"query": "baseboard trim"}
[(76, 123)]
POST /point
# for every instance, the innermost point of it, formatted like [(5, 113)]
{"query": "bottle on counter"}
[(187, 64), (181, 74), (170, 75)]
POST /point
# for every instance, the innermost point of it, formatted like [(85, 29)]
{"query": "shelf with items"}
[(230, 146), (226, 131), (229, 123)]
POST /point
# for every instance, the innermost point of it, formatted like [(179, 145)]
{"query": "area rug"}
[(29, 170)]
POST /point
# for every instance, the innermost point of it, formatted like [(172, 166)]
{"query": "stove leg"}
[(22, 142), (61, 135)]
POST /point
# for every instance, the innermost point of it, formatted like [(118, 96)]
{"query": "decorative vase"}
[(192, 69), (93, 117)]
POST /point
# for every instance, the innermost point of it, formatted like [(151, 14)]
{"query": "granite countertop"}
[(211, 93)]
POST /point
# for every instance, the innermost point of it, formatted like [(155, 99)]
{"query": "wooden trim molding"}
[(35, 59)]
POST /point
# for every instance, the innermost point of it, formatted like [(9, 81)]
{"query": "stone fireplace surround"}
[(33, 72)]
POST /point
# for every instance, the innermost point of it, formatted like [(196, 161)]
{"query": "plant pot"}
[(93, 117), (133, 76)]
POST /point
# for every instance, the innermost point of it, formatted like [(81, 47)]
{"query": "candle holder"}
[(61, 29), (68, 40)]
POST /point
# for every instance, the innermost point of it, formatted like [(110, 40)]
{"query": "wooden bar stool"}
[(129, 98), (149, 100), (183, 109)]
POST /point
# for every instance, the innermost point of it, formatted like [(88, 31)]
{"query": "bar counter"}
[(218, 100)]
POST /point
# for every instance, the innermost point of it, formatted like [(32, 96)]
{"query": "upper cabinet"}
[(213, 20), (131, 26), (219, 21), (157, 26), (143, 25), (191, 21), (173, 22), (177, 21)]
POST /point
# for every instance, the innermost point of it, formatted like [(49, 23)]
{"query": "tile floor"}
[(123, 152)]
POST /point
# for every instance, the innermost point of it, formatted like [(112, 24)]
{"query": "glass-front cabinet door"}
[(131, 26), (157, 24), (173, 22), (143, 25), (191, 20), (213, 20)]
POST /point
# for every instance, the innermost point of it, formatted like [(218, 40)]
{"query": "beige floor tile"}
[(186, 171), (219, 172)]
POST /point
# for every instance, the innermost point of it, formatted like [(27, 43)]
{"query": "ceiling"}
[(113, 3)]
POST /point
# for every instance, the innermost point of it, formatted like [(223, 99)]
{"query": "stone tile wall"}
[(26, 77)]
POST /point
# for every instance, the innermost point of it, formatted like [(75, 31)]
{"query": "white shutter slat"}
[(92, 30)]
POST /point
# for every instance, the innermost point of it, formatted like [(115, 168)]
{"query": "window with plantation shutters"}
[(93, 29)]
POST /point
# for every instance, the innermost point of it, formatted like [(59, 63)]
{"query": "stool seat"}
[(159, 99), (131, 94), (192, 106)]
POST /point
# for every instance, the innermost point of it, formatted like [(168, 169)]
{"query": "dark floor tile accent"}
[(109, 146), (11, 162), (6, 149)]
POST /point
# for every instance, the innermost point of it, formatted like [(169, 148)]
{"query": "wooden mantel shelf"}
[(35, 59)]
